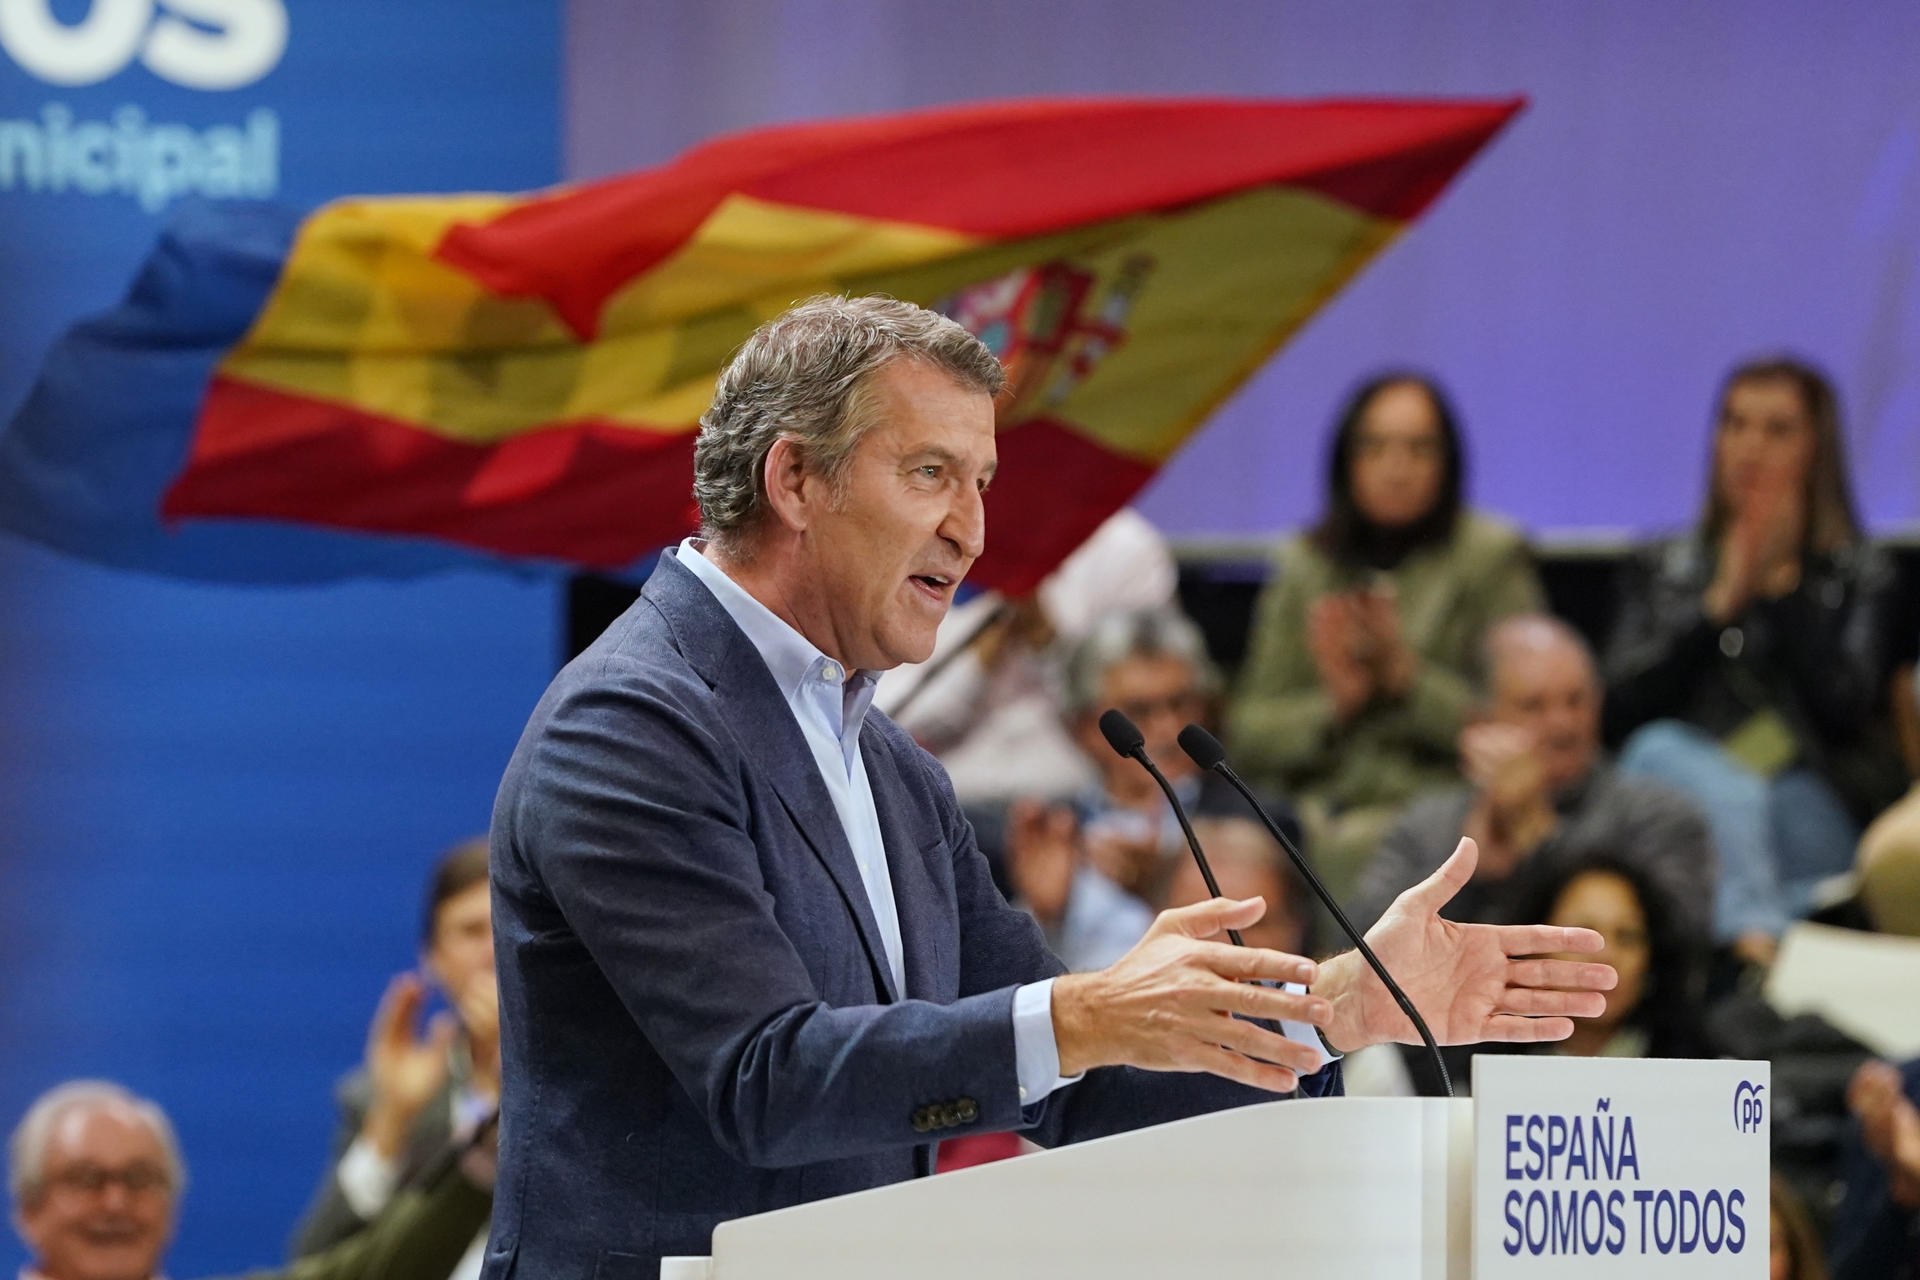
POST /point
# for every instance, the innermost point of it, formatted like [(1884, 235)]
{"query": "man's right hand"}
[(1170, 1003), (405, 1068)]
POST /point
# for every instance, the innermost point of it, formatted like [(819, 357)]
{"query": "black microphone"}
[(1205, 750), (1124, 736)]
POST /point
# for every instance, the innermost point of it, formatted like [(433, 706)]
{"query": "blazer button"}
[(968, 1111), (921, 1120)]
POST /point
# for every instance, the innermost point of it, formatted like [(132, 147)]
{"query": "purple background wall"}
[(1693, 183)]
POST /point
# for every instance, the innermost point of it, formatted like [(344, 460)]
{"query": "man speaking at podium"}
[(748, 953)]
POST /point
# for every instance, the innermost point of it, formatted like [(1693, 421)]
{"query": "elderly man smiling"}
[(96, 1177), (749, 954)]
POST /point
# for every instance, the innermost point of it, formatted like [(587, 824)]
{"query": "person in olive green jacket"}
[(95, 1175), (1362, 666)]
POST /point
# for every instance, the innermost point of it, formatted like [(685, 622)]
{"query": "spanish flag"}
[(522, 376)]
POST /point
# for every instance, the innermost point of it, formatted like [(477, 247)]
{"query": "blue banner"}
[(218, 805), (113, 112)]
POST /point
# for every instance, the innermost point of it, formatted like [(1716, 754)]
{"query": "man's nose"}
[(966, 523)]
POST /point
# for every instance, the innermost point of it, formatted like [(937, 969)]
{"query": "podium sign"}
[(1619, 1167)]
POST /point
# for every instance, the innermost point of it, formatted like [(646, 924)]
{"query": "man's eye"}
[(931, 471)]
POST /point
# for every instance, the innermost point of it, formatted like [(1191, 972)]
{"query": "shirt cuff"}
[(1307, 1034), (367, 1179), (1036, 1057)]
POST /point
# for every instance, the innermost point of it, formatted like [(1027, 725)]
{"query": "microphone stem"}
[(1206, 871), (1186, 829), (1305, 868)]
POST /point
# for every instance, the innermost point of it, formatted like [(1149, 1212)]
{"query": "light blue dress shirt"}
[(831, 703)]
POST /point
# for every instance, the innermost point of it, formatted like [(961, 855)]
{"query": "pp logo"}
[(197, 44), (1749, 1112)]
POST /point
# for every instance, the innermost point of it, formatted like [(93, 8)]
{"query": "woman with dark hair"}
[(1654, 1009), (1656, 1006), (1363, 658), (1749, 658)]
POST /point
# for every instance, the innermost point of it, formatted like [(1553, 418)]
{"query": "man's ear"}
[(785, 477)]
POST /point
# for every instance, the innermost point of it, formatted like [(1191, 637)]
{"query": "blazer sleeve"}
[(329, 1219), (1281, 719), (421, 1235), (633, 816)]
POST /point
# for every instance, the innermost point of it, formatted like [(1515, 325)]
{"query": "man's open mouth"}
[(934, 584)]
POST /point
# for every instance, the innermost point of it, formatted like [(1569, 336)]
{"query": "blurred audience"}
[(1087, 867), (989, 702), (1793, 1251), (1248, 863), (1540, 794), (1888, 864), (1749, 655), (1361, 663), (1656, 1007), (1876, 1229), (418, 1086), (96, 1176)]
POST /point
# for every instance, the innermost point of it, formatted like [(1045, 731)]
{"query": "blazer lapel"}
[(915, 895), (764, 727)]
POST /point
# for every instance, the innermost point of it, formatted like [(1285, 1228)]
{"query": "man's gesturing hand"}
[(1168, 1004), (1471, 982)]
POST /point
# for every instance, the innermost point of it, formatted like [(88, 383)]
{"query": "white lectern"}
[(1348, 1188), (1565, 1167)]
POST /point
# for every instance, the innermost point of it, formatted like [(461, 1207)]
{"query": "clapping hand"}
[(1890, 1128), (1759, 552), (1392, 662), (1338, 648), (1043, 852), (405, 1067), (1513, 810), (479, 1007)]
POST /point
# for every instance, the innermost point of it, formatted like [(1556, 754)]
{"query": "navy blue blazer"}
[(697, 1017)]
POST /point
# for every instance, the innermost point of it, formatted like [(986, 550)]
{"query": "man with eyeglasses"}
[(1087, 869), (96, 1174)]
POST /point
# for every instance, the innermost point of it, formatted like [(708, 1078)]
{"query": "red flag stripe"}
[(586, 493), (1065, 164)]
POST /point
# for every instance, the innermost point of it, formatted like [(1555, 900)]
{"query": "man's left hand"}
[(1471, 982)]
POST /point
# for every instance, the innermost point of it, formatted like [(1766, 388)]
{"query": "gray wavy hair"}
[(27, 1149), (806, 377), (1160, 631)]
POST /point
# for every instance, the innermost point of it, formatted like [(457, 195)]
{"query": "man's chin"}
[(115, 1261), (907, 650)]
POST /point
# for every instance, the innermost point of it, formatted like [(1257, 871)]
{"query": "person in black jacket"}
[(1749, 661)]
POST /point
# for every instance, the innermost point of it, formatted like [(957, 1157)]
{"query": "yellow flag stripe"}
[(366, 317)]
